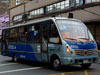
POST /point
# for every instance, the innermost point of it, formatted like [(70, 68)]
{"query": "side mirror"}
[(55, 40)]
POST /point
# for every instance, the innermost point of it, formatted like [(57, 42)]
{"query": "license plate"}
[(85, 61)]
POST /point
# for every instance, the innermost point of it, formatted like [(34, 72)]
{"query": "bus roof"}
[(35, 21)]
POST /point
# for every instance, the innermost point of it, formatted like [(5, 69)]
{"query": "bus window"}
[(33, 33), (5, 37), (22, 34), (30, 34), (36, 33), (13, 35), (44, 36), (54, 36)]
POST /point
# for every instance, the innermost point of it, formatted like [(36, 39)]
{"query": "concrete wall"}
[(30, 6)]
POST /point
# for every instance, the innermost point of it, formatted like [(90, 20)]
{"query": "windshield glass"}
[(74, 30)]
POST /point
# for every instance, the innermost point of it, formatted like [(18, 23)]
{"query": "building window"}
[(36, 12), (89, 1), (17, 2), (57, 6)]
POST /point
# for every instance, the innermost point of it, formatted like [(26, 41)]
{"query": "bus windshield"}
[(74, 30)]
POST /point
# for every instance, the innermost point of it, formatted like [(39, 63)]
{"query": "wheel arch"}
[(53, 57)]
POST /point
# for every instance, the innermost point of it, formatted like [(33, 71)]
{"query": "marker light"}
[(68, 50)]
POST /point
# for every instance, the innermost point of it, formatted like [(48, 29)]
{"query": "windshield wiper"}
[(86, 39), (70, 38)]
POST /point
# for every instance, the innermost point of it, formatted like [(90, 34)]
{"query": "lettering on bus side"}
[(22, 56), (38, 48), (74, 46), (11, 47)]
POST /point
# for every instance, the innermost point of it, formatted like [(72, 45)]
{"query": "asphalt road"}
[(7, 67)]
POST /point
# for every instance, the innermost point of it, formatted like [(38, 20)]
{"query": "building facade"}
[(4, 22), (85, 10)]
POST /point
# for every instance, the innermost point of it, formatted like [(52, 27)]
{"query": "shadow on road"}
[(48, 67)]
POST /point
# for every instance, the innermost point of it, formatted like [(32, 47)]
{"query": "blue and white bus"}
[(59, 41)]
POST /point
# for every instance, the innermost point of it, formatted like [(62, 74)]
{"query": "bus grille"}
[(84, 52)]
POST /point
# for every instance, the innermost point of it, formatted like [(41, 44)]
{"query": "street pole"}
[(25, 14), (24, 6)]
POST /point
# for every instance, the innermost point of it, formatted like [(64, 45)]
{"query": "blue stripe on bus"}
[(82, 45), (20, 49)]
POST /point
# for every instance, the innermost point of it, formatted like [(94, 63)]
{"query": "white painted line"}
[(10, 71), (8, 64)]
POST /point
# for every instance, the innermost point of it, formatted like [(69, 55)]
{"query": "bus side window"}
[(30, 36), (13, 36), (54, 36), (5, 36), (36, 33), (22, 34), (33, 33)]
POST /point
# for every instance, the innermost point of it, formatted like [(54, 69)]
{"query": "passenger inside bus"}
[(44, 41)]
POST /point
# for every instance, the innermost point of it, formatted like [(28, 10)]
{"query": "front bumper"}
[(79, 60)]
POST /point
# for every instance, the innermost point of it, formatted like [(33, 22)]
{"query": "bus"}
[(55, 40)]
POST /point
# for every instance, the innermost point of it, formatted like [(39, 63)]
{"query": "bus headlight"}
[(68, 50)]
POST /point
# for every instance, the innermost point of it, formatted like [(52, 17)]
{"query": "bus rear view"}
[(79, 45)]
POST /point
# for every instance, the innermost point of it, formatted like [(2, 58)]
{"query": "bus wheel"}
[(14, 58), (85, 65), (56, 64)]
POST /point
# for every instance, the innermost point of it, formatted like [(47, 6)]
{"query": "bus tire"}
[(14, 58), (86, 66), (56, 64)]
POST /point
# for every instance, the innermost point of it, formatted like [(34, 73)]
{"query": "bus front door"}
[(44, 44)]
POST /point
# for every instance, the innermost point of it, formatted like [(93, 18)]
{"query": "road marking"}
[(8, 64), (62, 74), (85, 72), (93, 73), (66, 73), (10, 71)]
